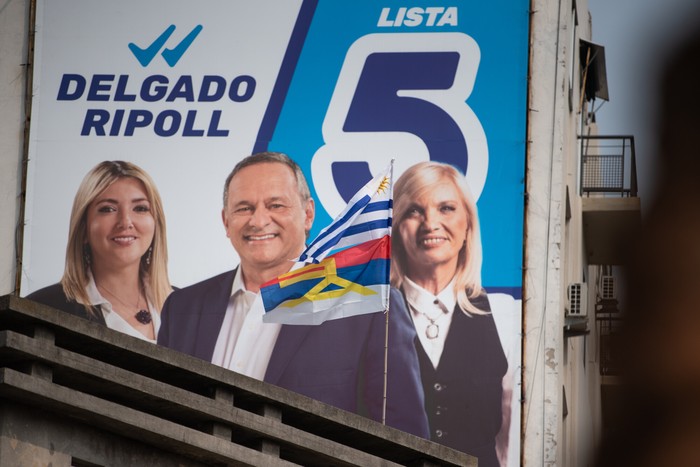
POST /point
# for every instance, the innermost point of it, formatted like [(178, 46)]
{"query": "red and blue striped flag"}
[(349, 265)]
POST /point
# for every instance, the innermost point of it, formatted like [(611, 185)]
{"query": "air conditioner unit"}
[(608, 290), (576, 298)]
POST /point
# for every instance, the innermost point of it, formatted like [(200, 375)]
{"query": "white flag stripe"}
[(374, 215)]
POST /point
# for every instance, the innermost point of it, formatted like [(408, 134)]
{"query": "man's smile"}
[(258, 238)]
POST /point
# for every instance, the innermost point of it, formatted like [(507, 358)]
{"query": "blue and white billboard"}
[(187, 89)]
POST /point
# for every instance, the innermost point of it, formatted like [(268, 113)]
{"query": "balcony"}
[(610, 206)]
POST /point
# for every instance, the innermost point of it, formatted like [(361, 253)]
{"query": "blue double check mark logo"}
[(171, 56)]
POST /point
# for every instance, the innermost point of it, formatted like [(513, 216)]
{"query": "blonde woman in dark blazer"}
[(116, 258), (436, 266)]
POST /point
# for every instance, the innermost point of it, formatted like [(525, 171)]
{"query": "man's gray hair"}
[(271, 157)]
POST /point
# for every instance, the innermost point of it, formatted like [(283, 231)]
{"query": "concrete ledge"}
[(171, 401), (608, 222), (147, 395)]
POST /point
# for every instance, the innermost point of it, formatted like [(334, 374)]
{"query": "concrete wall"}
[(544, 215), (555, 251), (38, 437), (14, 20)]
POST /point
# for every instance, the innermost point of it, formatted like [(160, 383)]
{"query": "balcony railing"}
[(608, 165), (609, 321)]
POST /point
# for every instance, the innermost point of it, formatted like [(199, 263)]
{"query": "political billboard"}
[(185, 90)]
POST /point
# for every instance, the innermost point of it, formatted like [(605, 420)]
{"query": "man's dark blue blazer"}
[(340, 362)]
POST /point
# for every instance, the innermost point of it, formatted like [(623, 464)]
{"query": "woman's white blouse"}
[(112, 318), (428, 309)]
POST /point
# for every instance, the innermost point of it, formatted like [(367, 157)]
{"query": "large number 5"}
[(402, 96)]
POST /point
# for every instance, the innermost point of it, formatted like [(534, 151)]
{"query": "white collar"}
[(94, 295), (420, 299), (96, 298), (238, 285)]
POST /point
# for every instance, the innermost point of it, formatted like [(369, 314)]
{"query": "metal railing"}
[(608, 165), (609, 321)]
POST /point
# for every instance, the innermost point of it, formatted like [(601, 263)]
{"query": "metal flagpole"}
[(386, 314), (386, 362)]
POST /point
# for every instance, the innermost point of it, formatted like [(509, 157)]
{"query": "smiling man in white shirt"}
[(268, 212)]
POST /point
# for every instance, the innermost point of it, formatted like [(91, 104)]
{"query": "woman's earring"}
[(148, 255)]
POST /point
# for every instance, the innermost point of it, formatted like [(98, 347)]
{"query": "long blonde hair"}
[(153, 276), (416, 182)]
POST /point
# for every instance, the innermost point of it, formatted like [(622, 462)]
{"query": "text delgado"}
[(154, 88)]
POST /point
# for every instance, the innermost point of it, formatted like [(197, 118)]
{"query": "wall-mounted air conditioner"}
[(576, 295), (608, 290)]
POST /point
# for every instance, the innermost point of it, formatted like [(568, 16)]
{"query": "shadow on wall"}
[(659, 421)]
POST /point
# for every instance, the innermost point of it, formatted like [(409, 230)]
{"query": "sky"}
[(637, 36)]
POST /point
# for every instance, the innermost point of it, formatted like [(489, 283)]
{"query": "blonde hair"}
[(418, 181), (153, 276)]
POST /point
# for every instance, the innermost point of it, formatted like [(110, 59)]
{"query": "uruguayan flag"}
[(366, 217)]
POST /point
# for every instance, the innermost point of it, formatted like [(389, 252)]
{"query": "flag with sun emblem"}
[(349, 264)]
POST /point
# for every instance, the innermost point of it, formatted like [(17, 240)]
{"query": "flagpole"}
[(386, 362), (386, 314)]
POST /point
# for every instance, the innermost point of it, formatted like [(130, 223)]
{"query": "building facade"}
[(573, 223), (578, 212)]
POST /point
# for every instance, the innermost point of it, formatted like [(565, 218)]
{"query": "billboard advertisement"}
[(186, 90)]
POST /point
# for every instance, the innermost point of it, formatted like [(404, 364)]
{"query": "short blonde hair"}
[(416, 182), (153, 276)]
